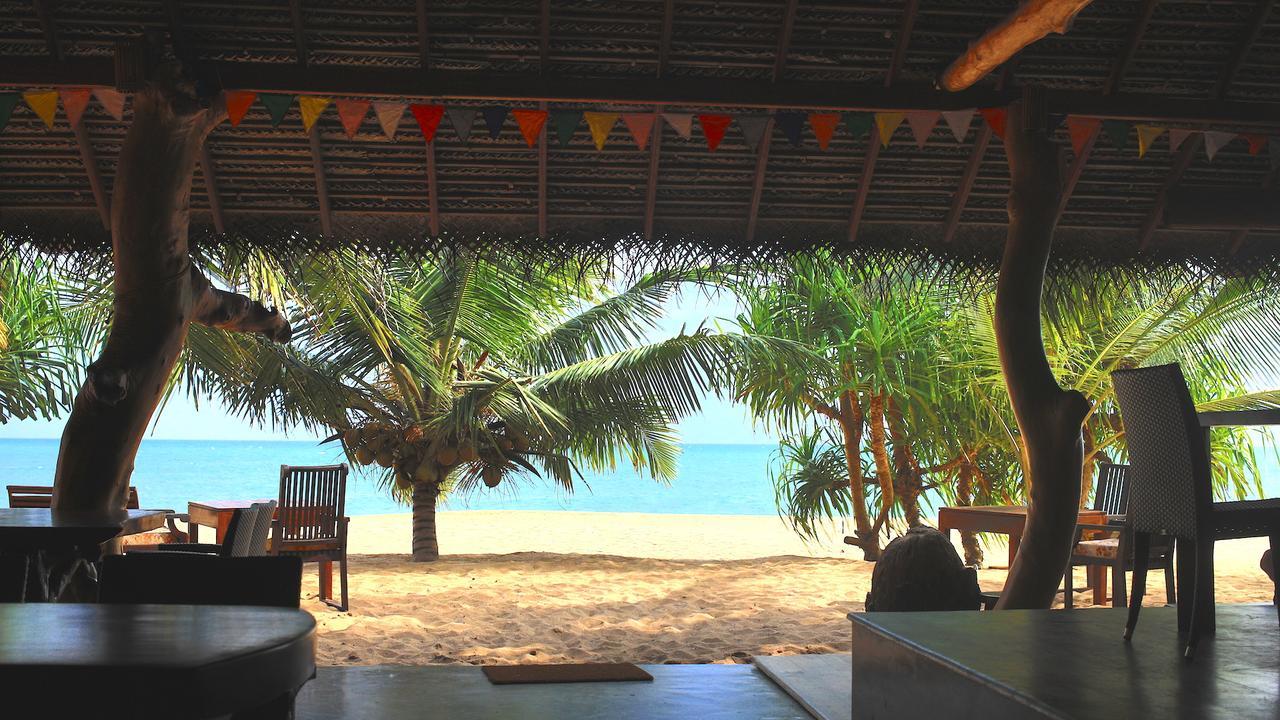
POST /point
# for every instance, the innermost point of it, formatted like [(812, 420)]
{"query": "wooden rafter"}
[(90, 160), (424, 36), (542, 178), (433, 192), (971, 169), (1031, 21), (322, 185), (664, 38), (44, 12), (757, 187), (784, 38), (299, 32), (210, 173), (1239, 236), (655, 158), (544, 35), (873, 143), (1223, 208)]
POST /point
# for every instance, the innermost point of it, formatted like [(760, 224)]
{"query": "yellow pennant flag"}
[(45, 104), (1147, 134), (311, 108), (886, 123), (601, 124)]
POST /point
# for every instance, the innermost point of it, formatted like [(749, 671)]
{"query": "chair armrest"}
[(173, 528), (1107, 530), (205, 548)]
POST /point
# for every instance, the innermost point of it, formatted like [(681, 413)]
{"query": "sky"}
[(720, 421)]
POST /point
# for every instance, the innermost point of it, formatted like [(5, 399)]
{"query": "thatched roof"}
[(1199, 65)]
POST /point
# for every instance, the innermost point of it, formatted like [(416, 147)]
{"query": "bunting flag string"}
[(600, 124), (428, 117), (238, 103), (1214, 141), (922, 124), (311, 107), (641, 127), (463, 119), (959, 122), (713, 129), (1147, 135), (682, 123), (753, 128), (996, 119), (886, 123), (531, 123), (791, 124), (351, 113), (566, 124), (9, 101), (494, 117), (277, 106), (858, 123), (1177, 136), (44, 104), (112, 101), (824, 127), (1080, 129), (1256, 142), (389, 114), (75, 101), (1117, 132)]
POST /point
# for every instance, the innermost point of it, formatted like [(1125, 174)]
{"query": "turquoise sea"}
[(713, 479)]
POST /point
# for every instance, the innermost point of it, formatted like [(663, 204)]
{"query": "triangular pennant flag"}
[(791, 124), (238, 102), (494, 116), (1117, 132), (713, 128), (1255, 140), (112, 101), (1214, 141), (824, 126), (1176, 136), (1147, 134), (1080, 129), (682, 123), (311, 107), (566, 124), (351, 113), (996, 118), (389, 114), (8, 101), (74, 101), (858, 123), (886, 123), (753, 127), (45, 105), (462, 119), (277, 106), (959, 122), (1274, 145), (922, 123), (428, 117), (531, 123), (641, 127), (601, 124)]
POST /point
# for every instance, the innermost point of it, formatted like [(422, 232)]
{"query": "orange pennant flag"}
[(641, 127), (45, 105), (1081, 129), (713, 129), (238, 103), (74, 101), (311, 107), (886, 123), (112, 101), (1256, 141), (824, 126), (1147, 134), (351, 113), (600, 124), (996, 118), (531, 123)]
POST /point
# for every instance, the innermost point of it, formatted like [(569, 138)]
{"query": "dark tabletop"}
[(42, 528), (196, 661)]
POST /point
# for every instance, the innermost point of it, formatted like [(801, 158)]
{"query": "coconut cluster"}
[(417, 458)]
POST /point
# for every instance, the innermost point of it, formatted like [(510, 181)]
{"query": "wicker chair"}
[(246, 534), (311, 523), (1171, 493)]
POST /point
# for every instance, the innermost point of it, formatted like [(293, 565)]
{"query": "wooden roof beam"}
[(544, 35), (299, 32), (655, 160), (211, 188), (90, 160), (873, 143), (424, 36), (542, 178), (1219, 208), (322, 185), (762, 153), (664, 38), (784, 38), (971, 169), (44, 12), (1239, 236), (433, 192), (1032, 21)]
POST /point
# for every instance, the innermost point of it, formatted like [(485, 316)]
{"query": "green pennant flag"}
[(1117, 132), (566, 123), (858, 123), (277, 105), (8, 101)]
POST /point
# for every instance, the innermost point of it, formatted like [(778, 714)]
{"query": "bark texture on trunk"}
[(907, 478), (158, 293), (425, 546), (850, 420), (1031, 21), (1049, 417), (880, 454), (964, 496)]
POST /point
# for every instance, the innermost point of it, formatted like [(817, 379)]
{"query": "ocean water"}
[(713, 479)]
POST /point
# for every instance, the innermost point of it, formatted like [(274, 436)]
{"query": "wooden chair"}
[(246, 534), (311, 523), (41, 496), (1171, 492), (1110, 545)]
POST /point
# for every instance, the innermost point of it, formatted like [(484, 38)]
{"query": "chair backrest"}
[(1169, 481), (312, 502), (250, 537), (196, 579), (1112, 492), (41, 496)]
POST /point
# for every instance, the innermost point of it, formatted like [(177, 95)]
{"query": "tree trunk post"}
[(1049, 417), (425, 546), (850, 420)]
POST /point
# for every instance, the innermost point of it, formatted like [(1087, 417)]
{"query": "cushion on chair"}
[(1107, 549), (151, 537)]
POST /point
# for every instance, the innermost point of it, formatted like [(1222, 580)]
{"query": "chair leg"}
[(1118, 582), (342, 581), (1275, 576), (1201, 594), (326, 581), (1141, 559), (1068, 593), (1170, 594)]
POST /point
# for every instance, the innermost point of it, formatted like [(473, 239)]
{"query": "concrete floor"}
[(461, 692)]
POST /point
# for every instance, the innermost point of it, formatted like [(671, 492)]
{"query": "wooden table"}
[(215, 514), (77, 660)]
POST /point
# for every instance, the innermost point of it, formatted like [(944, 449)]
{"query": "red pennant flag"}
[(824, 126), (713, 128), (1081, 129), (351, 113), (531, 123), (1256, 142), (996, 118), (74, 101), (238, 103), (641, 127), (428, 117)]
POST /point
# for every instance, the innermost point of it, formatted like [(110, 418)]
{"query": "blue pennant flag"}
[(792, 125), (493, 118)]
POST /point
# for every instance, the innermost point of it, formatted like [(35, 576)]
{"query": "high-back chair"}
[(311, 523), (41, 496), (1171, 491)]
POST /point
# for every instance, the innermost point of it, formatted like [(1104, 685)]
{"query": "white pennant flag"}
[(959, 121), (389, 114), (1214, 140), (682, 122)]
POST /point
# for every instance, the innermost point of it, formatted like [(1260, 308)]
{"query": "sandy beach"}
[(529, 586)]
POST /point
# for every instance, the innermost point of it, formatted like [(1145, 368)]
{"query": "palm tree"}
[(40, 345)]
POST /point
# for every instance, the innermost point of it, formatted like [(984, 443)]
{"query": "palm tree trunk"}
[(851, 428), (880, 453), (906, 469), (964, 495), (425, 547)]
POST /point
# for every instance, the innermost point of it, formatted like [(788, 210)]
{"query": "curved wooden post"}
[(1049, 417)]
